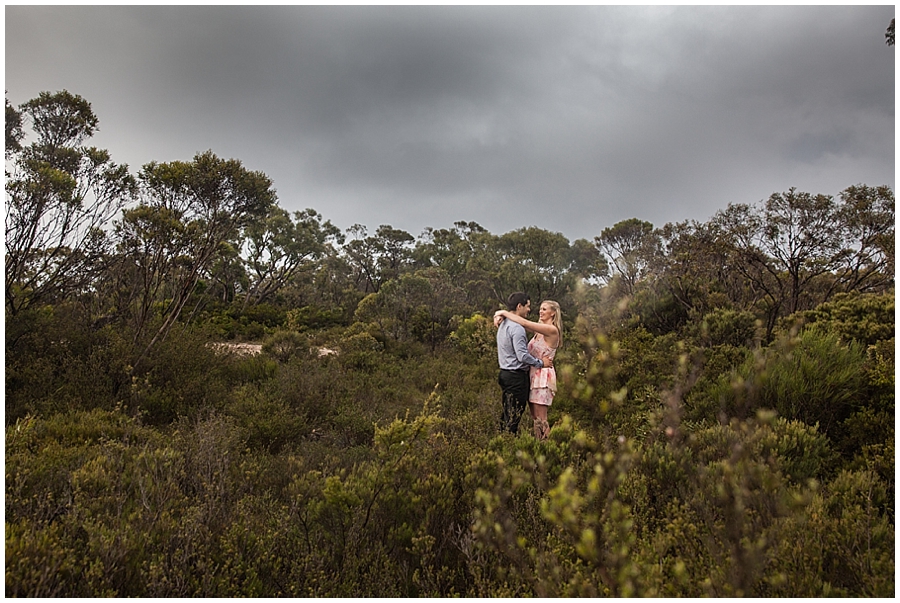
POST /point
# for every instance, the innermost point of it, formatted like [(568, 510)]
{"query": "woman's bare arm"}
[(535, 327)]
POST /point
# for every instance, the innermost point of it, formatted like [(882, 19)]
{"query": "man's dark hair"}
[(515, 299)]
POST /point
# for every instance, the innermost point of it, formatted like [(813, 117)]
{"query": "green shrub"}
[(816, 379), (475, 335), (237, 370), (726, 327), (265, 420), (360, 350), (864, 317), (181, 376), (39, 564), (283, 345), (314, 317), (91, 494), (839, 546), (43, 454), (223, 476), (56, 362)]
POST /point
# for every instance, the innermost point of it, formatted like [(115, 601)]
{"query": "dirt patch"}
[(241, 349), (252, 349)]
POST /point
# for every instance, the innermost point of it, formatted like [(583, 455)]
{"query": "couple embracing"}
[(527, 376)]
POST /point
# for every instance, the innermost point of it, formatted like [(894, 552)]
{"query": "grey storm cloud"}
[(567, 118)]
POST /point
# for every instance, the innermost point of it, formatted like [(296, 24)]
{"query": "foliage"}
[(814, 378), (630, 245), (280, 247), (706, 440), (60, 197), (318, 476), (867, 319), (475, 335), (189, 210)]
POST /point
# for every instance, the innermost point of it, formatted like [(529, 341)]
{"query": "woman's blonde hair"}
[(557, 318)]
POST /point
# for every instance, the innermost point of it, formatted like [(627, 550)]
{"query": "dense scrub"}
[(678, 465)]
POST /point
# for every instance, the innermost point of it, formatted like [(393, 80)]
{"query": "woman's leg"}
[(539, 415)]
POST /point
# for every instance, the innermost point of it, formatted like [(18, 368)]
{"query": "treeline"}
[(725, 423), (181, 241)]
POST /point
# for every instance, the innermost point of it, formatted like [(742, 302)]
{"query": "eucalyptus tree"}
[(280, 246), (60, 197), (14, 132), (586, 262), (446, 248), (332, 285), (630, 247), (187, 212), (467, 253), (379, 257), (867, 215), (693, 267), (797, 250), (227, 276), (416, 305), (150, 240), (541, 263), (488, 267), (802, 233)]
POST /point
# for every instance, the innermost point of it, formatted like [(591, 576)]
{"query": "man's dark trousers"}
[(516, 386)]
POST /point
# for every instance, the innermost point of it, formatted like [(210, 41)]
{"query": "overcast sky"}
[(570, 119)]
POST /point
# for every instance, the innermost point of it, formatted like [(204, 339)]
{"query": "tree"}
[(889, 34), (14, 132), (798, 249), (377, 258), (279, 247), (587, 262), (418, 305), (467, 253), (227, 273), (189, 210), (802, 233), (533, 260), (740, 227), (151, 239), (867, 214), (60, 197), (447, 248), (693, 267), (630, 246), (488, 268)]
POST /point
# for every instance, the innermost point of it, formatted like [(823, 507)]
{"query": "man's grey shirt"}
[(512, 347)]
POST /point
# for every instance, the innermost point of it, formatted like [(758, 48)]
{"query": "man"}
[(514, 359)]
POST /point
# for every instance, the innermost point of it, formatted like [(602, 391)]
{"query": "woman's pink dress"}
[(543, 380)]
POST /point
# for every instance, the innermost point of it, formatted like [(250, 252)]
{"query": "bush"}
[(840, 535), (181, 376), (56, 362), (475, 335), (361, 351), (725, 327), (265, 420), (314, 317), (816, 379), (865, 318), (282, 345)]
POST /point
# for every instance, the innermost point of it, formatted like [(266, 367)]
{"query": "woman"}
[(547, 339)]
